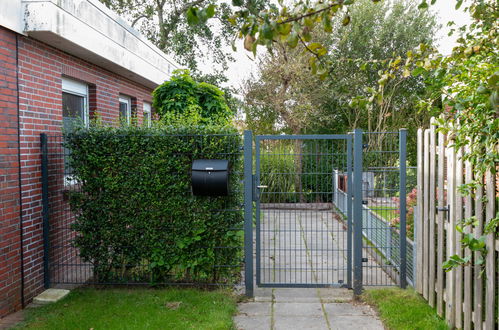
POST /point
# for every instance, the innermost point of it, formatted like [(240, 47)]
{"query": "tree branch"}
[(299, 17), (138, 18)]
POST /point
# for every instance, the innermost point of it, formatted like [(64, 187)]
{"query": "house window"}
[(125, 110), (74, 104), (74, 113), (147, 114)]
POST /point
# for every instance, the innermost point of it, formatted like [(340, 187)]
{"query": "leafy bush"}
[(278, 173), (183, 101), (411, 201), (320, 159), (136, 219)]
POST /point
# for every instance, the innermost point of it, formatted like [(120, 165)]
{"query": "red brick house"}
[(60, 61)]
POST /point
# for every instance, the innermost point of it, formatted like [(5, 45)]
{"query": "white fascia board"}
[(87, 29)]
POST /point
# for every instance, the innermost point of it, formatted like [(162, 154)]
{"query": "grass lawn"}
[(403, 309), (387, 213), (136, 309)]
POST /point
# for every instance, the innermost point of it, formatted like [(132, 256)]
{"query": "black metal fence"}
[(63, 263)]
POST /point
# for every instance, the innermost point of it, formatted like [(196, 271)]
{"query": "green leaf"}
[(423, 5), (192, 16), (237, 3), (284, 29), (313, 64), (314, 46), (267, 32), (292, 39), (210, 11), (346, 20)]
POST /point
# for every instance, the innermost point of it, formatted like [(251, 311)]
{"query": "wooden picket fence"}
[(467, 295)]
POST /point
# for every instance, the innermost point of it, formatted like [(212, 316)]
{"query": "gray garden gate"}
[(324, 208)]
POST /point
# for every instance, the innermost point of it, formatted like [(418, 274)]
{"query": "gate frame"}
[(256, 192), (355, 151)]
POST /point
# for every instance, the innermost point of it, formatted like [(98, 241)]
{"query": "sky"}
[(245, 65)]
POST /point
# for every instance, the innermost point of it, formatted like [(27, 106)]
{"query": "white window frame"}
[(78, 88), (147, 108), (128, 101)]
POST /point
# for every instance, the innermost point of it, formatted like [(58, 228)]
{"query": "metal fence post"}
[(45, 210), (403, 206), (348, 197), (248, 212), (357, 213)]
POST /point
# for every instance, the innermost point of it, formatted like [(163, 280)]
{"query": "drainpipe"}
[(21, 226)]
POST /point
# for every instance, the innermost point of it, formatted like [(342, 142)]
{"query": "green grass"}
[(403, 309), (387, 213), (136, 309)]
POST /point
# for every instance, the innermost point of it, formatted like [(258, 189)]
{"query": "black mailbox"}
[(210, 177)]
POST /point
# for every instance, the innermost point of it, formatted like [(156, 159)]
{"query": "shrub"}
[(278, 173), (183, 101), (136, 219), (411, 201)]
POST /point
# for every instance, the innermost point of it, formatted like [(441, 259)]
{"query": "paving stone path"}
[(305, 309), (298, 241)]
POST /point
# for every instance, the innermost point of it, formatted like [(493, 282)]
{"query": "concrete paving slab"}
[(255, 308), (295, 292), (253, 322), (50, 296), (298, 309), (342, 309), (335, 295), (355, 322), (300, 322)]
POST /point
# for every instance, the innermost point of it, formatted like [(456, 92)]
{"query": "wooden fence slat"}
[(458, 218), (431, 217), (468, 294), (490, 267), (477, 279), (450, 275), (426, 182), (419, 213), (441, 218)]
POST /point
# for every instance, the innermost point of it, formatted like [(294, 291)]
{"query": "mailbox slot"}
[(210, 177)]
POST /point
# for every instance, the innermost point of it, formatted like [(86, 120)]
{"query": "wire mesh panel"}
[(302, 238), (382, 174), (131, 261)]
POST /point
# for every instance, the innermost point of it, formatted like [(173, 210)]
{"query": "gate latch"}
[(443, 209), (364, 260), (364, 202)]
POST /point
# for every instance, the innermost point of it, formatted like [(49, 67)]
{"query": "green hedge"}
[(136, 218)]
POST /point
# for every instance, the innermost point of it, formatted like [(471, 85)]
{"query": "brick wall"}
[(41, 69), (10, 247)]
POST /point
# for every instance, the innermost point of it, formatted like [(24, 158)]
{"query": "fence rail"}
[(467, 296)]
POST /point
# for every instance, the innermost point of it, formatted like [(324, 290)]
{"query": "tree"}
[(286, 98), (166, 24), (377, 34), (184, 101)]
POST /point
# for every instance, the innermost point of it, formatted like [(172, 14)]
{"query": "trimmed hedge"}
[(136, 218)]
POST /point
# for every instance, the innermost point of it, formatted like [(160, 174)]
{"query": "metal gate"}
[(301, 240), (324, 208)]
